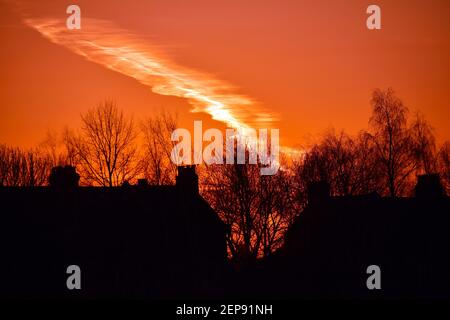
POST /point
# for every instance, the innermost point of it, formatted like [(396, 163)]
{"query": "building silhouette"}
[(157, 242), (131, 241), (334, 240)]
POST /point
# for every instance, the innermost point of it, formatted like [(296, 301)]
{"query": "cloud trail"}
[(119, 50)]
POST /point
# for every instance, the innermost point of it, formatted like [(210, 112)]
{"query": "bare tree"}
[(69, 154), (4, 165), (392, 140), (424, 145), (106, 150), (59, 149), (36, 168), (277, 210), (347, 164), (339, 153), (443, 164), (49, 146), (313, 166), (158, 167), (23, 168), (257, 208), (367, 171)]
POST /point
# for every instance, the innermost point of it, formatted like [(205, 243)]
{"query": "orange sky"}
[(304, 65)]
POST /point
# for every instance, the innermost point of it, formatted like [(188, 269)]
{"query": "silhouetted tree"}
[(23, 168), (392, 140), (424, 145), (50, 147), (257, 208), (339, 154), (10, 166), (106, 150), (69, 154), (368, 172), (348, 165), (157, 165), (443, 163), (36, 168)]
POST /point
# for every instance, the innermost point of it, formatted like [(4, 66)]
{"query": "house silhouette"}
[(334, 240), (130, 241), (141, 241)]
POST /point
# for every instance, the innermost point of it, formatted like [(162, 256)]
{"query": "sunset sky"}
[(301, 66)]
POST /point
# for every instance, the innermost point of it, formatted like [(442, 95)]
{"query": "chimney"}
[(142, 183), (429, 187), (318, 192), (187, 179), (64, 177)]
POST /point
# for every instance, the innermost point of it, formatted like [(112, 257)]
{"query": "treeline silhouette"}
[(111, 149)]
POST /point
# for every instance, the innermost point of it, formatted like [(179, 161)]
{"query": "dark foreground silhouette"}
[(166, 242), (332, 243), (130, 241)]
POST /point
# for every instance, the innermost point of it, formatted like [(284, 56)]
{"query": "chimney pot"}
[(429, 187), (187, 178), (64, 177), (142, 182)]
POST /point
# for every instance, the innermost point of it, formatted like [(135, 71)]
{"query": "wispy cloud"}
[(124, 52)]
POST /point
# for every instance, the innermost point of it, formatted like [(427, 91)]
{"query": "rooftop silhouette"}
[(130, 241), (158, 242)]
